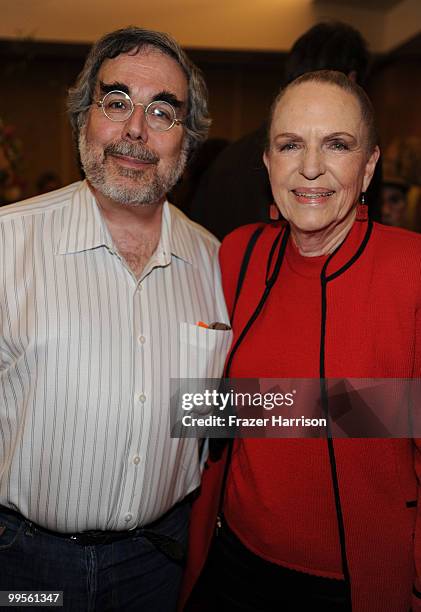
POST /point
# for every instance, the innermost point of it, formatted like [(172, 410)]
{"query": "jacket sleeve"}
[(416, 593)]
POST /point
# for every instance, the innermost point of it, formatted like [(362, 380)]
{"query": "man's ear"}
[(370, 167)]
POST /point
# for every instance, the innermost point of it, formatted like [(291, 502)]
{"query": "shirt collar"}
[(83, 225), (175, 237), (84, 228)]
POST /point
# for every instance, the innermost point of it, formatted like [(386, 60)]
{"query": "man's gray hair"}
[(129, 39)]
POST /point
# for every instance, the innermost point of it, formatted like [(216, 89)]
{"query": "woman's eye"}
[(338, 145), (288, 146)]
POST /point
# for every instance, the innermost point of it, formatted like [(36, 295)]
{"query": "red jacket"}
[(373, 329)]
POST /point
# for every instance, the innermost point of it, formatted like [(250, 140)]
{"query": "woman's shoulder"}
[(397, 253), (397, 241), (236, 242)]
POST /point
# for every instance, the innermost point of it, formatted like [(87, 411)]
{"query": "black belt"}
[(169, 546)]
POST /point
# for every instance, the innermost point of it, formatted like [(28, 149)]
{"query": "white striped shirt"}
[(87, 352)]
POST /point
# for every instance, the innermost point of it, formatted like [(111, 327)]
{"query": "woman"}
[(319, 523)]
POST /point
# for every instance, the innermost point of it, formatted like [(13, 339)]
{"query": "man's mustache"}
[(137, 151)]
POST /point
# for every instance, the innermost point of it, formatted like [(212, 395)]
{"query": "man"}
[(102, 286), (235, 190)]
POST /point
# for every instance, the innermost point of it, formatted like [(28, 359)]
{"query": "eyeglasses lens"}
[(118, 106), (160, 115)]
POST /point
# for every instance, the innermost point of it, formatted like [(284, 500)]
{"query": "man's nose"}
[(136, 127), (312, 163)]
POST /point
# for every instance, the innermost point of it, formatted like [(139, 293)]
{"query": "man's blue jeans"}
[(128, 575)]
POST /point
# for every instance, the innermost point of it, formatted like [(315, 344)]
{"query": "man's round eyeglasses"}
[(159, 115)]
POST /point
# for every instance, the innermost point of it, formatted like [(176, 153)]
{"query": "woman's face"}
[(317, 160)]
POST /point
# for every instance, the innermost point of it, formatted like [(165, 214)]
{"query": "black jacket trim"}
[(416, 593), (330, 444), (356, 255), (324, 397)]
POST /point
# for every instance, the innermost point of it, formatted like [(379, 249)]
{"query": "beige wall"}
[(401, 23), (213, 24)]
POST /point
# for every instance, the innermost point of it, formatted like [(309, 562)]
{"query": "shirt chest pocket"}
[(202, 351)]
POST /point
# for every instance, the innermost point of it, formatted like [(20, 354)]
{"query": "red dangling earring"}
[(274, 212), (362, 209)]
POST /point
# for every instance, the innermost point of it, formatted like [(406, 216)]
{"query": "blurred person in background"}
[(401, 193), (48, 181), (394, 201), (182, 193), (11, 181)]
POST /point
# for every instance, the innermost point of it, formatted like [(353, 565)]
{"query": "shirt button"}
[(141, 397), (128, 517), (136, 459), (142, 339)]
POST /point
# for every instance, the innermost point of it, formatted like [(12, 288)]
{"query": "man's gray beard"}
[(149, 190)]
